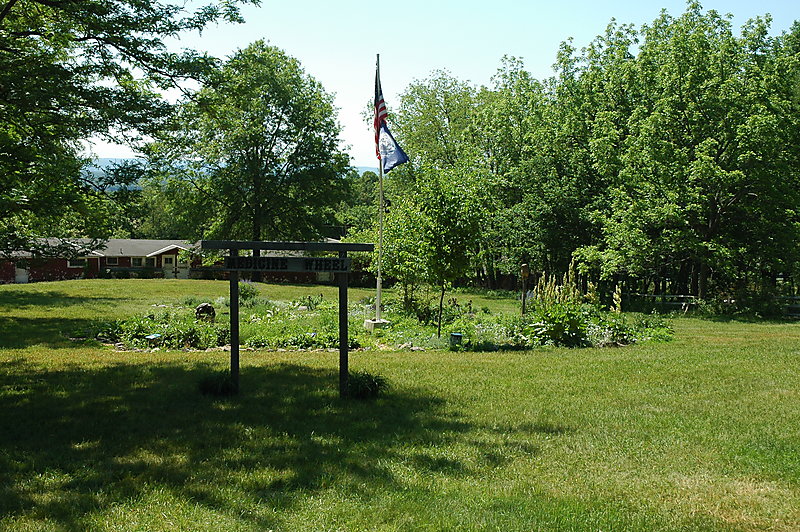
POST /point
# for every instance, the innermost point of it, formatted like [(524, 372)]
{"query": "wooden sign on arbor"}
[(340, 266)]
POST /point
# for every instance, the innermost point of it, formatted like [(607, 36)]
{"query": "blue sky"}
[(336, 41)]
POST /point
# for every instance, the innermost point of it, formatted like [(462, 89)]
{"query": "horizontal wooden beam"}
[(286, 246), (288, 264)]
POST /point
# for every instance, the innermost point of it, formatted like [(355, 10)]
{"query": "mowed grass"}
[(702, 433)]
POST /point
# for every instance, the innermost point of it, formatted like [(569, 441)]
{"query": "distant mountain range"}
[(104, 162)]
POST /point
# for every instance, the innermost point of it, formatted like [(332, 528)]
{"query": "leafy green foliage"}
[(258, 147), (664, 159), (362, 384), (247, 291), (559, 324), (310, 301), (285, 326), (434, 230), (170, 330), (70, 71)]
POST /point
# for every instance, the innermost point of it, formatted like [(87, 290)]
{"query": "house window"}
[(76, 263), (112, 261), (150, 262), (169, 261), (136, 262)]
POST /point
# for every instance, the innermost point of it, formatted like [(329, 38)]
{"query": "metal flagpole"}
[(380, 213), (380, 240), (391, 156)]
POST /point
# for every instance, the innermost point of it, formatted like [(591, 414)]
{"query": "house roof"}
[(128, 247), (134, 247)]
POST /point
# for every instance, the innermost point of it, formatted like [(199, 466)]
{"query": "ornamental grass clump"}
[(362, 384)]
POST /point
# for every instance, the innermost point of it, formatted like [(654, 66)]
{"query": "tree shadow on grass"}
[(77, 442), (21, 332), (28, 320), (24, 300)]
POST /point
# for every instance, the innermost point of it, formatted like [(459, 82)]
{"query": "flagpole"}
[(380, 216), (388, 158), (380, 241)]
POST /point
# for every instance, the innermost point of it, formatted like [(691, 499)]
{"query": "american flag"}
[(386, 148), (380, 112)]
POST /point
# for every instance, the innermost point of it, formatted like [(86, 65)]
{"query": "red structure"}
[(131, 258), (118, 258)]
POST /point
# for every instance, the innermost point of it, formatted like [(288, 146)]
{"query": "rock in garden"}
[(205, 312)]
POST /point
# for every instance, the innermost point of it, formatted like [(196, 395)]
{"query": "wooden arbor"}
[(340, 266)]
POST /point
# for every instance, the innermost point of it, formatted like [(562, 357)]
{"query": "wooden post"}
[(344, 343), (235, 325), (525, 272)]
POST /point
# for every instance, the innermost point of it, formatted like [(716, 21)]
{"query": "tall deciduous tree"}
[(70, 70), (708, 168), (261, 142)]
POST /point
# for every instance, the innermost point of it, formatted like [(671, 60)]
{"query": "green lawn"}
[(702, 433)]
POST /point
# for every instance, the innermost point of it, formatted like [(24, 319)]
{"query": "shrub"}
[(610, 330), (247, 291), (560, 324), (365, 385)]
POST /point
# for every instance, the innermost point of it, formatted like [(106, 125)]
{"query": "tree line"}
[(666, 158), (663, 157)]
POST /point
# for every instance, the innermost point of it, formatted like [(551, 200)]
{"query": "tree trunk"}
[(256, 276), (441, 304), (702, 283)]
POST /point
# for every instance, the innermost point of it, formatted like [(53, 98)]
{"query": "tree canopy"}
[(666, 156), (259, 143), (70, 70)]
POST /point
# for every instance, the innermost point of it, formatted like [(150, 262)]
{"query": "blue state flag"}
[(391, 153)]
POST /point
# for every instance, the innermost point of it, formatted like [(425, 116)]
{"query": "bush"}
[(247, 291), (365, 385), (560, 324), (609, 331)]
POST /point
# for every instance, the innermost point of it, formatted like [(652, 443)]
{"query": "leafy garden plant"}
[(365, 385), (556, 318)]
